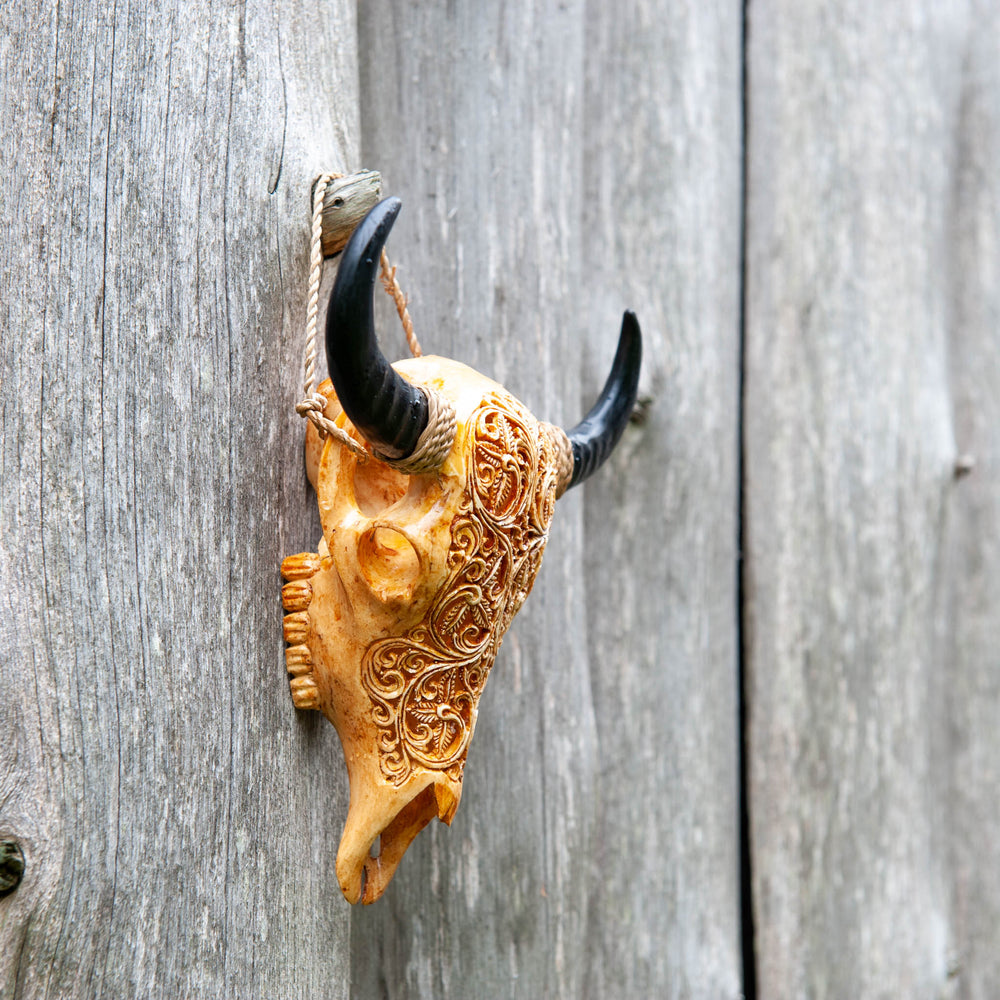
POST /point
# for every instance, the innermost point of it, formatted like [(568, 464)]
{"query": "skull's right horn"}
[(594, 438)]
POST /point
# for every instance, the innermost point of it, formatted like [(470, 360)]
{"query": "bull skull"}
[(395, 620)]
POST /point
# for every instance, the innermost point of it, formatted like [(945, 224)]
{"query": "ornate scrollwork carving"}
[(425, 684)]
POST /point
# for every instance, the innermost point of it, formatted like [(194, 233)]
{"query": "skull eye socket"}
[(376, 487), (388, 562)]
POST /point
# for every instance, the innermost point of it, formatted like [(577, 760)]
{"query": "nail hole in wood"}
[(11, 866)]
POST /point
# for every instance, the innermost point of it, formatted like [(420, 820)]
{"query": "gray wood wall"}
[(872, 591), (800, 201)]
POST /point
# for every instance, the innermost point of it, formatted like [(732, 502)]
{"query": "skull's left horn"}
[(385, 408), (594, 438)]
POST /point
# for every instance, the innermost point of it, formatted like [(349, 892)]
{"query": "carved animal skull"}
[(395, 620)]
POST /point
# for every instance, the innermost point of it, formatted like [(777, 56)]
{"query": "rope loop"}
[(391, 285), (434, 444), (564, 456)]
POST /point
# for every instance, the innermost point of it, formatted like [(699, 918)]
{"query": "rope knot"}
[(314, 403), (312, 406)]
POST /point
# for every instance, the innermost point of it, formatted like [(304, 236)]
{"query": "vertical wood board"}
[(503, 152), (968, 778), (661, 233), (865, 633), (480, 146), (175, 811)]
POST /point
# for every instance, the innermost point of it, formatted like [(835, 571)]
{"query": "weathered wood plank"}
[(662, 218), (176, 813), (485, 122), (968, 674), (861, 149), (482, 146)]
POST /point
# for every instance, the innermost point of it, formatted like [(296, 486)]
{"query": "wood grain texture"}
[(968, 685), (178, 816), (662, 214), (558, 162), (872, 606), (482, 147), (600, 794)]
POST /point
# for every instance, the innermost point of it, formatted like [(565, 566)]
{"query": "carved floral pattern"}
[(425, 684)]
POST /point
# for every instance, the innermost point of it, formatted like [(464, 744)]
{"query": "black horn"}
[(594, 438), (385, 408)]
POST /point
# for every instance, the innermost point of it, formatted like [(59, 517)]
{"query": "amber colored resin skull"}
[(433, 532)]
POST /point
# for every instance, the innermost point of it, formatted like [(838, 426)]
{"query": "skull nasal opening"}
[(388, 562)]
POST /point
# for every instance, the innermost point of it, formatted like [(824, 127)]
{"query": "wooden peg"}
[(345, 203)]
